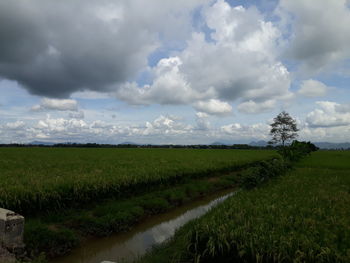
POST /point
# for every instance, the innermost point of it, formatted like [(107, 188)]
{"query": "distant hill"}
[(224, 142), (259, 143), (330, 145)]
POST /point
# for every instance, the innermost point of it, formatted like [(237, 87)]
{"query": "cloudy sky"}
[(164, 71)]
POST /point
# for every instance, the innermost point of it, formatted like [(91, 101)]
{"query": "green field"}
[(301, 217), (36, 179)]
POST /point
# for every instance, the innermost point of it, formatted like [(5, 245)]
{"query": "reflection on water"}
[(126, 247)]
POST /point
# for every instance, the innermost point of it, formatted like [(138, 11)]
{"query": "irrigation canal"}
[(126, 247)]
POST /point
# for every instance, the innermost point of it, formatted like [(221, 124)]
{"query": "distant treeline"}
[(131, 145), (97, 145)]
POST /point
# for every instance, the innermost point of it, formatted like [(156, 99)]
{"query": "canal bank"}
[(126, 247)]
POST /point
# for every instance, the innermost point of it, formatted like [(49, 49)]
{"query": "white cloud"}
[(329, 114), (15, 125), (326, 134), (61, 125), (239, 62), (313, 88), (258, 131), (56, 104), (320, 32), (13, 132), (76, 115), (75, 130), (252, 107), (343, 108), (170, 129), (201, 115), (169, 86), (166, 125), (214, 107)]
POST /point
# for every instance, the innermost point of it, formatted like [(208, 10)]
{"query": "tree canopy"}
[(283, 129)]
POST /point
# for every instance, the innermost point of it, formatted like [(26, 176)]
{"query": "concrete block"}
[(6, 257), (11, 230)]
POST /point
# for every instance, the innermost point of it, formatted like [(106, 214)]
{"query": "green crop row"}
[(39, 179), (302, 217)]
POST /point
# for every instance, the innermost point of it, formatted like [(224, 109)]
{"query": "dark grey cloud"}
[(54, 48)]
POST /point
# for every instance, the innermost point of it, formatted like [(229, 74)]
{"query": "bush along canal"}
[(56, 233)]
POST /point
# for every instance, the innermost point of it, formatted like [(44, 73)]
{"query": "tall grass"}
[(36, 179), (302, 217)]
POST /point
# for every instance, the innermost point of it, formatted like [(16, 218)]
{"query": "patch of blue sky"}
[(200, 26), (13, 95), (340, 77), (264, 6)]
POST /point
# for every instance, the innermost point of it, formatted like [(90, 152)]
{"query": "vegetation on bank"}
[(55, 233), (303, 217), (41, 179)]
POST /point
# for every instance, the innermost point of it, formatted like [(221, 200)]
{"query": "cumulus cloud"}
[(15, 125), (329, 114), (214, 107), (55, 48), (166, 125), (252, 107), (169, 86), (78, 130), (163, 129), (60, 125), (258, 131), (76, 115), (320, 32), (313, 88), (13, 132), (328, 134), (343, 108), (240, 61), (56, 104)]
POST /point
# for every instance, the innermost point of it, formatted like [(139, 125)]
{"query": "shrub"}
[(297, 150), (262, 172)]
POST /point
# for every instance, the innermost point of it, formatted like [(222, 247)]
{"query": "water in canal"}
[(126, 247)]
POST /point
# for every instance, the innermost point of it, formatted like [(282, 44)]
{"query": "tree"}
[(283, 129)]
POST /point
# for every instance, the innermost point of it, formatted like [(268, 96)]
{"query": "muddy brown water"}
[(126, 247)]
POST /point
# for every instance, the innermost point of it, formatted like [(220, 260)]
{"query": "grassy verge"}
[(40, 179), (303, 217)]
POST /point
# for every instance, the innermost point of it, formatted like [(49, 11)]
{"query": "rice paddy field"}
[(40, 179), (301, 217)]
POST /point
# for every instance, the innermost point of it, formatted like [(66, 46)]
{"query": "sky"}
[(173, 72)]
